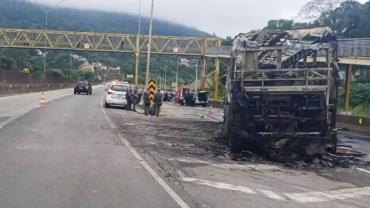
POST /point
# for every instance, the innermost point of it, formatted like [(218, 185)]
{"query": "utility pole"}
[(195, 62), (70, 64), (165, 79), (137, 53), (46, 31), (160, 82), (177, 75), (196, 77), (149, 45), (46, 11)]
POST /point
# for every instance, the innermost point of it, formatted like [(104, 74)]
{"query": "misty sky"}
[(223, 17)]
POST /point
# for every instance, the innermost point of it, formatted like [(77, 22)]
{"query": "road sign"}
[(130, 76), (26, 70), (152, 87), (87, 46)]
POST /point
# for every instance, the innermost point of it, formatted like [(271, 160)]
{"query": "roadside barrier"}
[(211, 113), (42, 100)]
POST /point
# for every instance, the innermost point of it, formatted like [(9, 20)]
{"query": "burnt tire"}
[(233, 123), (235, 140)]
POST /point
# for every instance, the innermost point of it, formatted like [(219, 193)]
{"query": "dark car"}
[(192, 99), (83, 87)]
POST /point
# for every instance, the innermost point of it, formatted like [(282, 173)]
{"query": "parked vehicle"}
[(83, 87), (180, 95), (116, 95), (193, 99)]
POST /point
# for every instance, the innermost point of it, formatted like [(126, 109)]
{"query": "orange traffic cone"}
[(42, 101), (210, 112)]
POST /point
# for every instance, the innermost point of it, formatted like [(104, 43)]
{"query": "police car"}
[(116, 95)]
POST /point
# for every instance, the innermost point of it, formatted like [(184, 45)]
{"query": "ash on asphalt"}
[(179, 132)]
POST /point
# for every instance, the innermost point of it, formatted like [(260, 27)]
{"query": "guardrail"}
[(354, 47), (8, 89), (354, 124)]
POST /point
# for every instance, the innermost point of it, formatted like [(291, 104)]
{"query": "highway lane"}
[(12, 107), (74, 153), (67, 155)]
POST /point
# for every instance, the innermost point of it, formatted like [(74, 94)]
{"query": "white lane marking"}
[(323, 196), (363, 170), (219, 185), (227, 166), (306, 197), (272, 195), (11, 119), (156, 177), (209, 118)]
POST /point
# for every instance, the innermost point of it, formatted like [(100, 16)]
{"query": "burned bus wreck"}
[(280, 98)]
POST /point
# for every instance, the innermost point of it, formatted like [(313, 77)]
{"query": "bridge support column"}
[(347, 88), (203, 73), (216, 80)]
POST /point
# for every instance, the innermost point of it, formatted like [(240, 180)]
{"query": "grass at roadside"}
[(361, 110)]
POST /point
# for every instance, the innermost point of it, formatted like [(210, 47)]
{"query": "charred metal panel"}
[(275, 99)]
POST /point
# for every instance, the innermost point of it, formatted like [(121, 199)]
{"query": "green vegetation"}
[(361, 110), (360, 96), (24, 14), (349, 19)]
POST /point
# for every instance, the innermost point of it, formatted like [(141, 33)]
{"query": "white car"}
[(116, 95)]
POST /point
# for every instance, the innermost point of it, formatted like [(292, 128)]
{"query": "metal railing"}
[(354, 47), (110, 42), (349, 47), (282, 79)]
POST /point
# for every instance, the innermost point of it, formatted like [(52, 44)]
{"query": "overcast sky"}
[(223, 17)]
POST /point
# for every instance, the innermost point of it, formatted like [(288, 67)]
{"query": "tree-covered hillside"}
[(348, 18), (24, 14)]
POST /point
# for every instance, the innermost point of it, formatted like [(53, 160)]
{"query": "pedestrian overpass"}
[(352, 51), (113, 42)]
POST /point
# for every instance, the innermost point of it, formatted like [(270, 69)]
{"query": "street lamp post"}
[(138, 48), (46, 11), (196, 77), (195, 61), (149, 44), (70, 64), (165, 78), (177, 75), (46, 29)]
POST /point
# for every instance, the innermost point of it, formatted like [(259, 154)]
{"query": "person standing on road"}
[(158, 102), (146, 102), (128, 98)]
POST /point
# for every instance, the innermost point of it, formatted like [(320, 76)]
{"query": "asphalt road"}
[(74, 153), (67, 156), (183, 143)]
